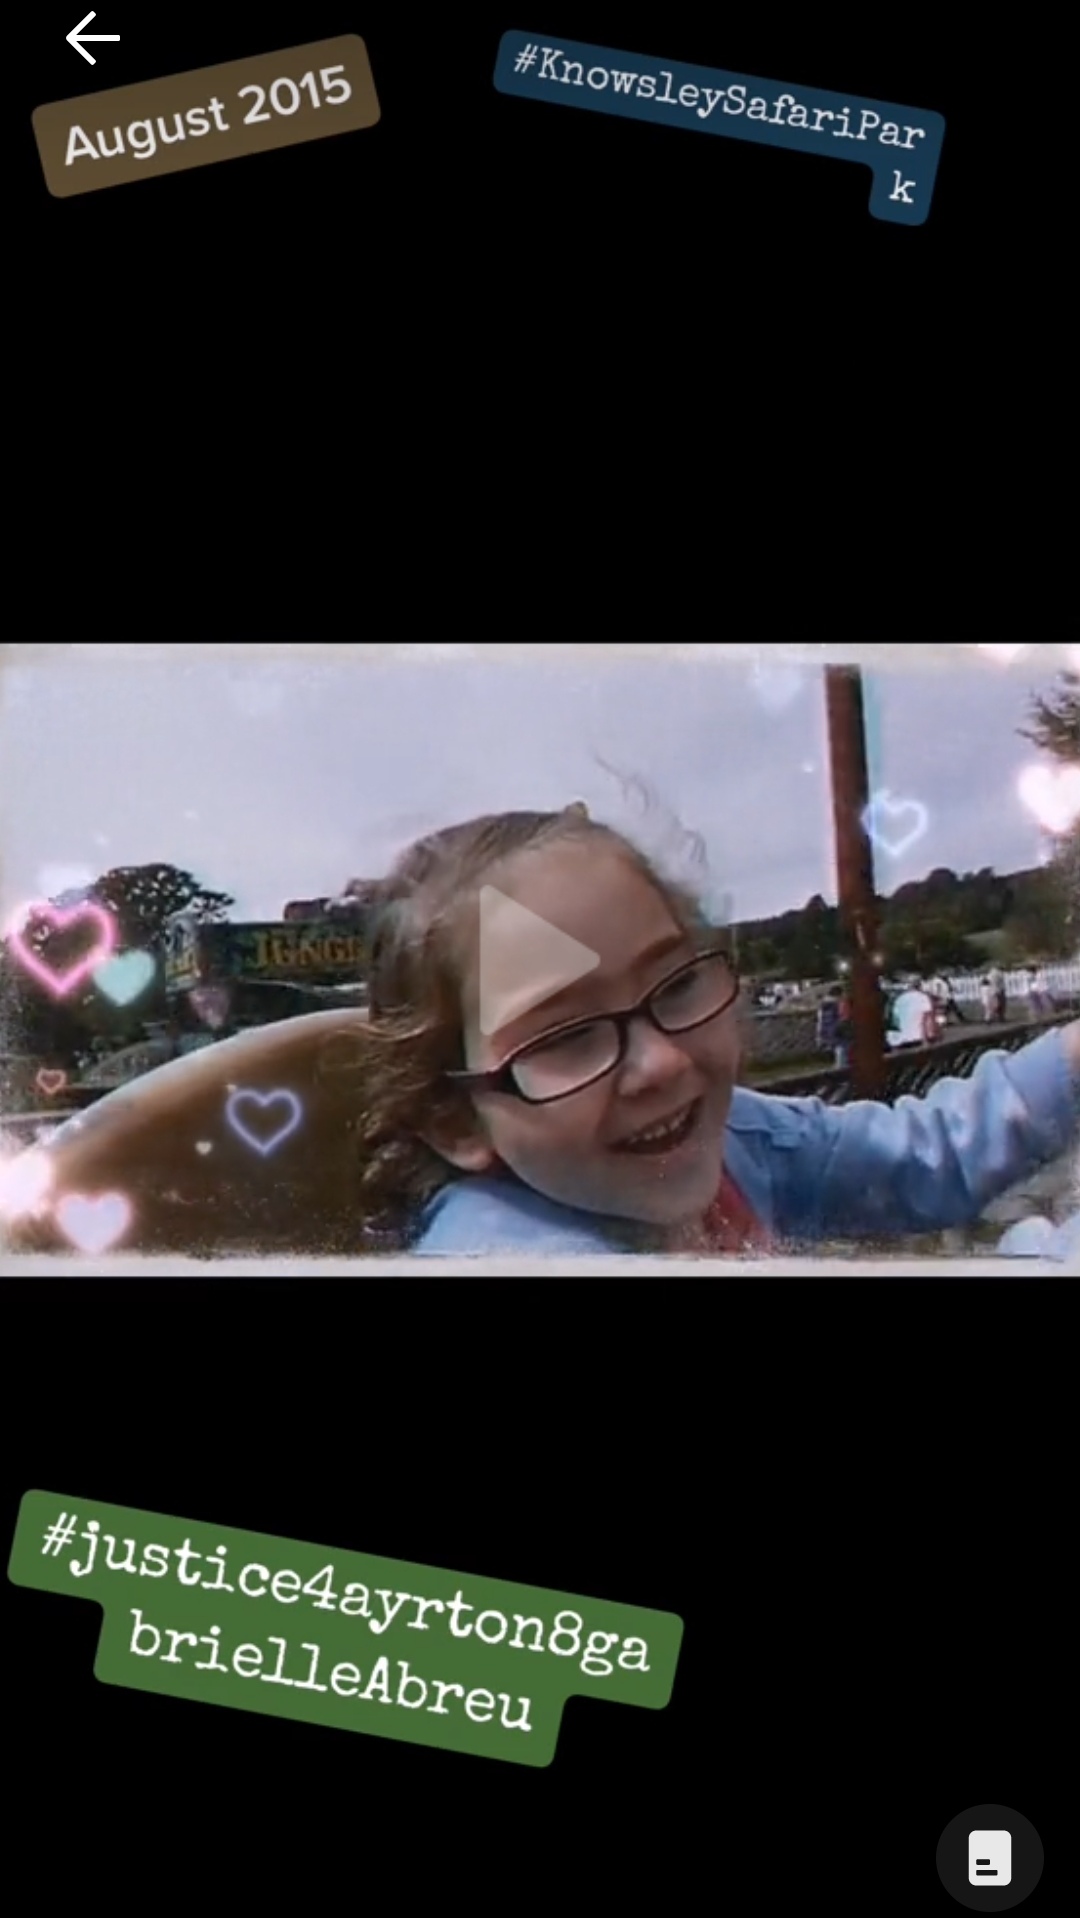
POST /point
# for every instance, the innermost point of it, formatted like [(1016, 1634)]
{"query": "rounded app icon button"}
[(989, 1858)]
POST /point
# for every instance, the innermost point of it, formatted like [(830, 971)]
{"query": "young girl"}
[(601, 1113)]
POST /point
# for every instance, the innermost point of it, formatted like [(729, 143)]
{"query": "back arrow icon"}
[(77, 36)]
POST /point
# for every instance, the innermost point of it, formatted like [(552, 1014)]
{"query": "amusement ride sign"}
[(324, 954)]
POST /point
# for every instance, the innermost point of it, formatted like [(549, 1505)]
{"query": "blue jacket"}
[(815, 1172)]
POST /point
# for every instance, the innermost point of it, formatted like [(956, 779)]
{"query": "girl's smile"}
[(665, 1136)]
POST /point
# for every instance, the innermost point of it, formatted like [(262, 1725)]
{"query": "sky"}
[(282, 779)]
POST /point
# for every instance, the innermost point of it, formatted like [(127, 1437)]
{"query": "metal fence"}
[(915, 1069), (772, 1038)]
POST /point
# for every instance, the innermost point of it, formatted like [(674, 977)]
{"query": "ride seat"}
[(170, 1144)]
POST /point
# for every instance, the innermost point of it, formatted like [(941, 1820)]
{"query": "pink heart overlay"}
[(24, 1181), (50, 1080), (62, 918), (1052, 794), (93, 1224), (211, 1005)]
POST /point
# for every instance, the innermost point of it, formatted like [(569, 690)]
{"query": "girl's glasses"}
[(574, 1056)]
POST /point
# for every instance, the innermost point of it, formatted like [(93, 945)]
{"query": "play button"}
[(523, 960)]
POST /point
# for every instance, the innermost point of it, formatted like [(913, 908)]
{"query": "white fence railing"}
[(1059, 979)]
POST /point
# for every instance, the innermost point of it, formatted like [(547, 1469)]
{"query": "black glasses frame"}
[(501, 1079)]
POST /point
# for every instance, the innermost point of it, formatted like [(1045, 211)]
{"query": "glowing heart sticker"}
[(62, 919), (123, 979), (882, 823), (256, 1105), (93, 1224), (50, 1080), (24, 1182), (1052, 794), (211, 1005)]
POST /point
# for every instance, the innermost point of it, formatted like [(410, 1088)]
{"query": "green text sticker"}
[(365, 1644)]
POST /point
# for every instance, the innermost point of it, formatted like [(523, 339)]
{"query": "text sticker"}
[(339, 1639), (900, 145), (215, 113)]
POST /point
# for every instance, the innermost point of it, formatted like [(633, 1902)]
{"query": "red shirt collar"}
[(731, 1224)]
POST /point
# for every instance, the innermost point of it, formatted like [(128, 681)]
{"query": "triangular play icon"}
[(523, 960)]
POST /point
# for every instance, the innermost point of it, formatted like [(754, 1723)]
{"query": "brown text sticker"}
[(216, 113)]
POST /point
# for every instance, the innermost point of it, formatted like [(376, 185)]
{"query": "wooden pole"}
[(855, 875)]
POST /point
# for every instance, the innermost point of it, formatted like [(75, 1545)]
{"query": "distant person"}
[(953, 1007), (845, 1031), (941, 994), (828, 1019), (1042, 999), (1024, 983), (914, 1019), (1001, 996), (989, 1000)]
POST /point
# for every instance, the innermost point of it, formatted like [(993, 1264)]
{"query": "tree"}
[(1055, 729), (142, 898), (1037, 928), (916, 944), (1055, 721), (813, 944)]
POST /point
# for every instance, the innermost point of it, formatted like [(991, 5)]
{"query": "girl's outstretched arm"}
[(923, 1165)]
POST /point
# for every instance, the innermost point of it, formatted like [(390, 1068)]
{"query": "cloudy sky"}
[(279, 779)]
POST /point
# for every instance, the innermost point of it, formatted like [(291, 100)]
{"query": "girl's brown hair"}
[(414, 1030)]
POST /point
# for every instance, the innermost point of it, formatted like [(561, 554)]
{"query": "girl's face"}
[(583, 1150)]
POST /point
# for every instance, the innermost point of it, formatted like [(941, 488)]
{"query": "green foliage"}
[(946, 921), (949, 920), (1055, 729), (1038, 925), (1055, 721), (142, 898)]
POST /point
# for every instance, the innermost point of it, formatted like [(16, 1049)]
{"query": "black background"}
[(855, 1496)]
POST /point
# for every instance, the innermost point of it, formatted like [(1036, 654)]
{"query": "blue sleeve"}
[(485, 1218), (923, 1165), (1040, 1239)]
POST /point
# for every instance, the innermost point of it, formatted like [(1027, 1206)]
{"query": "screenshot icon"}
[(990, 1858)]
